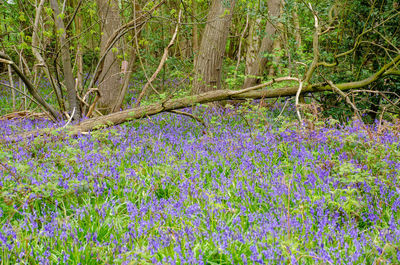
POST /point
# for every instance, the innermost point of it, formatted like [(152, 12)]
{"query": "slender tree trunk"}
[(126, 79), (79, 54), (109, 79), (208, 65), (253, 45), (297, 29), (195, 30), (22, 86), (12, 84), (275, 67), (74, 106), (256, 69), (239, 53)]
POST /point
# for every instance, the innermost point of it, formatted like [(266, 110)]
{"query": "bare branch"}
[(314, 63), (162, 62), (191, 116), (30, 86)]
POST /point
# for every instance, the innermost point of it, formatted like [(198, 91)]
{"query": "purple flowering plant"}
[(250, 187)]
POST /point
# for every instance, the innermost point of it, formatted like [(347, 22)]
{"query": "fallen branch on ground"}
[(256, 92)]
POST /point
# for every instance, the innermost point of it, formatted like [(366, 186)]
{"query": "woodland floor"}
[(250, 187)]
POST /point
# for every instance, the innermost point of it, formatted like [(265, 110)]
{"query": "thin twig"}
[(70, 118), (297, 102), (356, 111), (283, 109), (190, 115), (382, 93), (340, 92)]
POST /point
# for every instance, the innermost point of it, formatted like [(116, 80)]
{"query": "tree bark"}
[(109, 84), (256, 69), (195, 34), (12, 84), (79, 53), (253, 44), (208, 65), (74, 106), (135, 24), (274, 67), (297, 29)]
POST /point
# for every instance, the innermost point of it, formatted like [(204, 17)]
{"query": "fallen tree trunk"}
[(255, 92)]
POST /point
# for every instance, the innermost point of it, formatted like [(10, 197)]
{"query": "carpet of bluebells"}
[(247, 188)]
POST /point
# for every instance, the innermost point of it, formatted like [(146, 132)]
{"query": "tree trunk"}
[(275, 67), (74, 106), (208, 65), (126, 79), (256, 70), (253, 45), (109, 84), (79, 53), (297, 30), (195, 34), (12, 90)]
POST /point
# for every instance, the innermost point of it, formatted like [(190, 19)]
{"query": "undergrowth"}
[(247, 186)]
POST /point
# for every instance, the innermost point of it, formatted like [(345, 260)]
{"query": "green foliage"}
[(342, 22)]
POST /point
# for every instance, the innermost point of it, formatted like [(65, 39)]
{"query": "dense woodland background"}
[(277, 139), (90, 58)]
